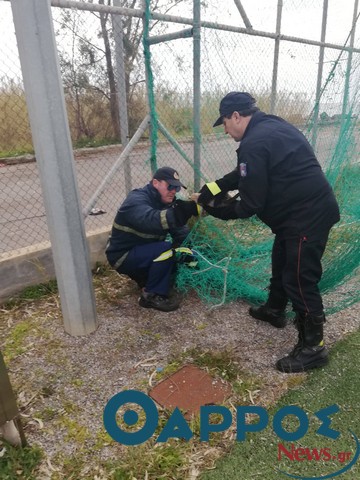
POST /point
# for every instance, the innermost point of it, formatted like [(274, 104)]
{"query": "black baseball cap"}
[(170, 175), (234, 102)]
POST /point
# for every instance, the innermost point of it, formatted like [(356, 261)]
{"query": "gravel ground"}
[(64, 382)]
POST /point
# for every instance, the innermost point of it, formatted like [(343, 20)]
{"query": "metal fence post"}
[(348, 65), (319, 75), (276, 58), (53, 149), (197, 94), (121, 90)]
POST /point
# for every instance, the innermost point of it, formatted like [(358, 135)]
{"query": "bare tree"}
[(88, 63), (114, 104)]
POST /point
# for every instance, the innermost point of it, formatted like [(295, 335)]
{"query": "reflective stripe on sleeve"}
[(120, 261), (163, 220), (164, 256), (214, 188), (184, 250), (122, 228)]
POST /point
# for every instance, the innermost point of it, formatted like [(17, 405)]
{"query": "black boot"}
[(309, 352), (274, 316), (158, 302)]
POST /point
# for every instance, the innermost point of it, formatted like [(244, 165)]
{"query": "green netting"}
[(234, 256), (150, 92)]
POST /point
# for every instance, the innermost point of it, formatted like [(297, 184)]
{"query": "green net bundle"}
[(234, 257), (234, 262)]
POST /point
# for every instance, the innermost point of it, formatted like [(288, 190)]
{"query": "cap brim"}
[(218, 122), (176, 183)]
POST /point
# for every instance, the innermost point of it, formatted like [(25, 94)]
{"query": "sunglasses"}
[(177, 188)]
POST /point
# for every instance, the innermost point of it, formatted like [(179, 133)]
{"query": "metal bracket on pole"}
[(177, 147), (186, 33), (243, 14)]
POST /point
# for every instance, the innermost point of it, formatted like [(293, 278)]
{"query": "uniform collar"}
[(255, 119)]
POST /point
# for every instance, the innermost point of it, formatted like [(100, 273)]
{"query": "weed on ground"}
[(63, 383)]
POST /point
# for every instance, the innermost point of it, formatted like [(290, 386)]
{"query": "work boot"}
[(274, 316), (158, 302), (309, 352)]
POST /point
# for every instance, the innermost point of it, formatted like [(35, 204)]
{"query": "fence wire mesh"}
[(229, 61)]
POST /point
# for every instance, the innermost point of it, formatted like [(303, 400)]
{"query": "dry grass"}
[(63, 383)]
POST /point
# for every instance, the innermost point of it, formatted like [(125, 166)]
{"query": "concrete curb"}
[(82, 152), (88, 151), (34, 265)]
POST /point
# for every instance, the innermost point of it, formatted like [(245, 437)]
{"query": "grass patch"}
[(91, 453), (94, 142), (110, 287), (16, 153), (218, 363), (21, 318), (19, 463), (17, 342), (163, 462), (36, 292), (39, 291), (338, 383)]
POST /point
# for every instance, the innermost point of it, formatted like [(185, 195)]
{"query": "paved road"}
[(23, 220)]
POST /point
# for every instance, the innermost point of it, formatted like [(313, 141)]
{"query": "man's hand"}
[(183, 210), (218, 189), (195, 197), (227, 212), (208, 192)]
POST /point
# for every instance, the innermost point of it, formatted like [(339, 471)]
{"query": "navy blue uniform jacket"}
[(280, 180), (142, 219)]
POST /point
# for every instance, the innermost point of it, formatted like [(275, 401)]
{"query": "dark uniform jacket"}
[(142, 219), (280, 180)]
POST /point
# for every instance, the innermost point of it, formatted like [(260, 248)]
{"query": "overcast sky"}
[(300, 18), (222, 51)]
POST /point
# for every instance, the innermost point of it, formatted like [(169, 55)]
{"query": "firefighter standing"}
[(281, 181)]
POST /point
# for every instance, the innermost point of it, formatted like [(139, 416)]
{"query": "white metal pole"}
[(349, 64), (121, 90), (197, 93), (276, 58), (319, 75), (54, 155)]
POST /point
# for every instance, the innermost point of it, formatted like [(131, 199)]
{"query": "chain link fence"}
[(230, 60)]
